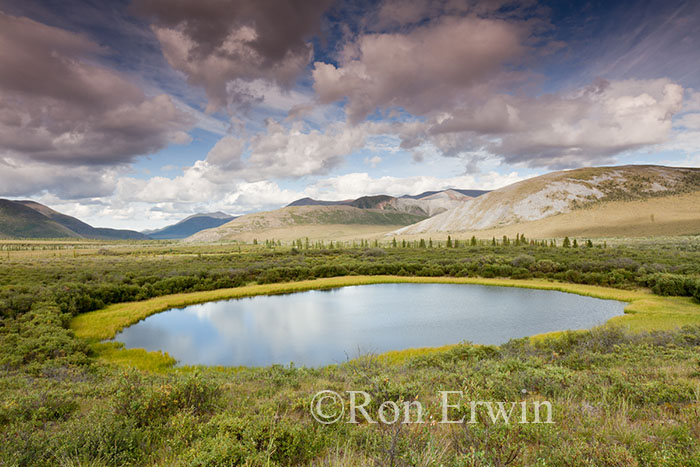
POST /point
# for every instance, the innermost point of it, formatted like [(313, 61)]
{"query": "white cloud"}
[(286, 151), (373, 161), (226, 153), (57, 105), (354, 185), (256, 196), (23, 178), (690, 121), (588, 126), (281, 152), (422, 70), (224, 46)]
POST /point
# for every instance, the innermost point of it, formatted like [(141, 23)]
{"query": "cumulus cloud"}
[(58, 106), (426, 69), (20, 178), (354, 185), (170, 199), (457, 67), (257, 196), (227, 153), (281, 152), (585, 127), (217, 42), (285, 151), (236, 175), (373, 161)]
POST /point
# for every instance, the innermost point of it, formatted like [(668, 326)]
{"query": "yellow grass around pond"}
[(645, 311)]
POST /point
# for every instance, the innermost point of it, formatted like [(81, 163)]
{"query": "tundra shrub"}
[(149, 404), (38, 337), (673, 284)]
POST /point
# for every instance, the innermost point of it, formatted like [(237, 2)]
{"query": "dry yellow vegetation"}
[(567, 192), (644, 311), (326, 232), (653, 217), (318, 222)]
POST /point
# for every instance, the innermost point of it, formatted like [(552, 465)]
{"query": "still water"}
[(321, 327)]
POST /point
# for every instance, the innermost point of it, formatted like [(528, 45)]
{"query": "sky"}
[(136, 114)]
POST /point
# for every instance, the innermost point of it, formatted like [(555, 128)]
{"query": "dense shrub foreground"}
[(618, 399), (87, 282)]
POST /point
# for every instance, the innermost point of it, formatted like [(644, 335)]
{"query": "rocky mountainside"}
[(560, 192), (292, 217), (425, 204)]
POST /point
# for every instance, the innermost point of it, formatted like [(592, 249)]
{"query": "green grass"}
[(621, 396), (644, 312), (141, 359)]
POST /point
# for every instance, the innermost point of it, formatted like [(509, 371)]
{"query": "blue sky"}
[(135, 114)]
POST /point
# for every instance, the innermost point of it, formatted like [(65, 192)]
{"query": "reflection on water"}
[(322, 327)]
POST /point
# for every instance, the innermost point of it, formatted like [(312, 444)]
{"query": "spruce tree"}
[(567, 243), (449, 242)]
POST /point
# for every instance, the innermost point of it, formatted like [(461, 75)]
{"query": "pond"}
[(322, 327)]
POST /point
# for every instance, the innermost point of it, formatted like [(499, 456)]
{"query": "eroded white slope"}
[(555, 193)]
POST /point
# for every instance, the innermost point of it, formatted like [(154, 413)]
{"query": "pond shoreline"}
[(644, 311)]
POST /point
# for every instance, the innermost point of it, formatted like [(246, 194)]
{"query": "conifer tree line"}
[(450, 242)]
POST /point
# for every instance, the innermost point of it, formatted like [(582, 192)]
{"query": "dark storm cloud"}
[(216, 42), (58, 106), (428, 68)]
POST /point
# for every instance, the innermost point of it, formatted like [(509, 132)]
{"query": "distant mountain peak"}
[(560, 193), (450, 193), (213, 215), (191, 225), (315, 202), (30, 219)]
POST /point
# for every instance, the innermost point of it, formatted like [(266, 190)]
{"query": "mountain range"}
[(364, 216), (29, 219), (634, 200), (190, 226)]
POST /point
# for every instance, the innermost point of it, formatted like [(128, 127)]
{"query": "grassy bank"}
[(618, 399), (621, 395), (644, 312)]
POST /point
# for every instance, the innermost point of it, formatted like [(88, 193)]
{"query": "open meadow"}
[(625, 393)]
